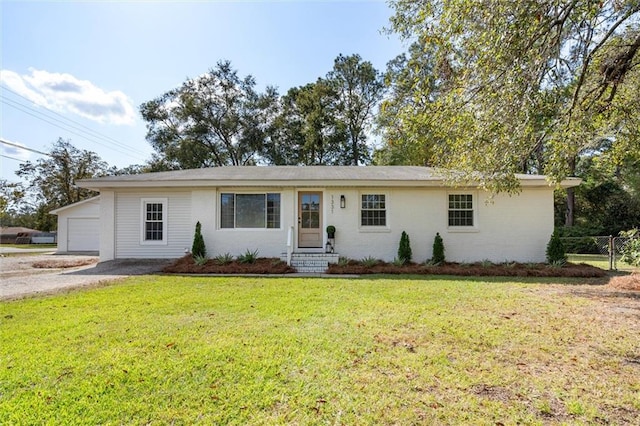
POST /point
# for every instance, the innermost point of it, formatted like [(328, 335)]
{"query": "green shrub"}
[(438, 250), (224, 259), (343, 261), (200, 260), (631, 250), (398, 262), (369, 261), (556, 253), (248, 256), (198, 248), (404, 249), (581, 245)]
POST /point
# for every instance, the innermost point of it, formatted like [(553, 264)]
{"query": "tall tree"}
[(50, 181), (360, 88), (308, 131), (217, 119), (530, 85)]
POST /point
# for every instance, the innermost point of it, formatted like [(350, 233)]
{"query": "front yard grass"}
[(380, 350)]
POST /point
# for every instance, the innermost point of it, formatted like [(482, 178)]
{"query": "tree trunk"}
[(571, 202)]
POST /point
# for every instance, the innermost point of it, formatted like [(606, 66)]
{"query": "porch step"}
[(314, 263)]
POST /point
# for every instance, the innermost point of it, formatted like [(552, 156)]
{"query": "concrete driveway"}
[(19, 278)]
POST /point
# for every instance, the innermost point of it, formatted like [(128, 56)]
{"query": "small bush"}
[(198, 248), (398, 262), (404, 249), (555, 250), (224, 259), (343, 261), (248, 256), (486, 263), (438, 250), (200, 260), (631, 250), (369, 261)]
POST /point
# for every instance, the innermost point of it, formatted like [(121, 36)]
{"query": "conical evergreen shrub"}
[(198, 248), (555, 250), (404, 250), (438, 249)]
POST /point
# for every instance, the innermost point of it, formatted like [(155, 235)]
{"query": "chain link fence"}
[(612, 247)]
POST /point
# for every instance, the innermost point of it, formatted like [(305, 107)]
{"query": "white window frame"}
[(374, 228), (143, 218), (266, 212), (474, 205)]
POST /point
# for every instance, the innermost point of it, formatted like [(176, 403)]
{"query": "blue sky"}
[(94, 63)]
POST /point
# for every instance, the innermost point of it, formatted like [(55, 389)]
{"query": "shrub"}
[(369, 261), (556, 253), (398, 262), (224, 259), (248, 256), (198, 248), (438, 250), (404, 249), (200, 260), (631, 250), (343, 261)]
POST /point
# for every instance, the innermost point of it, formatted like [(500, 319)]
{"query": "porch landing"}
[(315, 263)]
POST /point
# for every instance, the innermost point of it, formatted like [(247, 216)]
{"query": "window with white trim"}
[(154, 221), (250, 210), (373, 210), (461, 210)]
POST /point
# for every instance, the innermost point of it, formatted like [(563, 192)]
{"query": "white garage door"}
[(84, 234)]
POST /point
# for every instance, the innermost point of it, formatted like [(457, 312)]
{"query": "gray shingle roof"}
[(264, 175)]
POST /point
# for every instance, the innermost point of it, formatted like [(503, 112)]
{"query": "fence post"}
[(611, 254)]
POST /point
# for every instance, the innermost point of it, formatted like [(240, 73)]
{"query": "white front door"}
[(310, 219)]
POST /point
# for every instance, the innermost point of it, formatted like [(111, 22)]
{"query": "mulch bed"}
[(263, 265), (474, 269), (186, 265)]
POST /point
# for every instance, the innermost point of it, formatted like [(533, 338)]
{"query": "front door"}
[(310, 219)]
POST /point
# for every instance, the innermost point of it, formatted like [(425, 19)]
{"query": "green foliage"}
[(369, 261), (398, 262), (631, 250), (248, 256), (50, 182), (404, 248), (566, 77), (198, 248), (438, 250), (200, 260), (331, 229), (556, 252), (216, 119), (343, 261), (224, 259)]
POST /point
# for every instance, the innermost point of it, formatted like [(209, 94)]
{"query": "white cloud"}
[(66, 93)]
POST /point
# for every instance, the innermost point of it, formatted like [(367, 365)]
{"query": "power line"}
[(88, 133), (88, 129), (26, 148), (12, 158), (87, 137)]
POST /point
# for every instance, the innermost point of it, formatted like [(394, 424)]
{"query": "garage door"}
[(83, 234)]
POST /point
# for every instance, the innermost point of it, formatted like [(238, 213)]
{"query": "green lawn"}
[(598, 260), (184, 350)]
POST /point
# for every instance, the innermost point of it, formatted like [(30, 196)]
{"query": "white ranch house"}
[(283, 211)]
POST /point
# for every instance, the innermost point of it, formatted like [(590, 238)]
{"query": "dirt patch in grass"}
[(63, 263), (262, 265), (473, 269), (627, 282)]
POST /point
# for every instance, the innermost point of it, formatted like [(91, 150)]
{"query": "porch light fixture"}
[(343, 202)]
